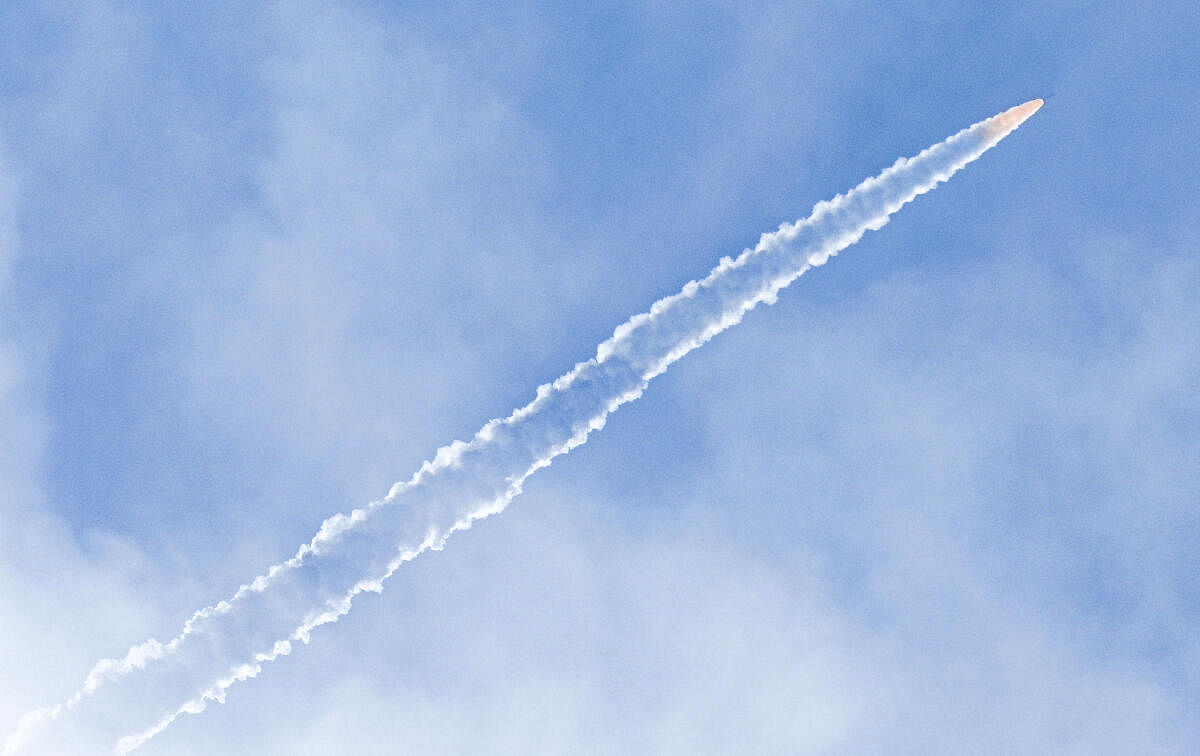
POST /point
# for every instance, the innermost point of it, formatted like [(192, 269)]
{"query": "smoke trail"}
[(155, 683)]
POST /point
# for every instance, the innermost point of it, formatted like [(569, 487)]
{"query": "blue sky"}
[(255, 266)]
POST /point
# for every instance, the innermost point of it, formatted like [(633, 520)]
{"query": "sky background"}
[(257, 264)]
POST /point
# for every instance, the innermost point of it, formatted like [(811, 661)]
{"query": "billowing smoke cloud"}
[(129, 700)]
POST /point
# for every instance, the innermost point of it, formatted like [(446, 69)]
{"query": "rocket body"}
[(1002, 125)]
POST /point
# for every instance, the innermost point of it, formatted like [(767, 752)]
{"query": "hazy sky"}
[(255, 266)]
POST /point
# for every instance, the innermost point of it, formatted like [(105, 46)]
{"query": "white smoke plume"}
[(131, 699)]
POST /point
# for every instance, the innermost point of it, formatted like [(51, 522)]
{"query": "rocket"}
[(1000, 126)]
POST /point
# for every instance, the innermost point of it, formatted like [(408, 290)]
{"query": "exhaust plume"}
[(127, 701)]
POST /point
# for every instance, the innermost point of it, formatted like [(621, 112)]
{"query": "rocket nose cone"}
[(1026, 109), (1010, 119)]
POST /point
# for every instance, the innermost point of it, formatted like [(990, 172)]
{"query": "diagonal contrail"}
[(129, 700)]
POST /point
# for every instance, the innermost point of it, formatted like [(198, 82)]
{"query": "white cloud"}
[(68, 596)]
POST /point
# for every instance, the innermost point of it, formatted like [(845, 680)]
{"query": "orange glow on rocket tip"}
[(1013, 117)]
